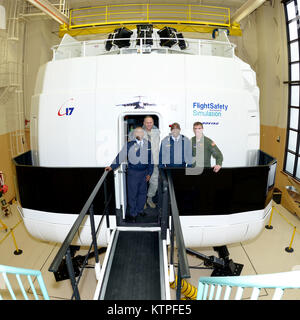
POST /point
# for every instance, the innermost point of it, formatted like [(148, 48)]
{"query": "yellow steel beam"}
[(160, 21)]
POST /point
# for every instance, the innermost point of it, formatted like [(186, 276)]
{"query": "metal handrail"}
[(163, 203), (8, 270), (278, 281), (196, 50), (93, 244), (182, 257), (69, 238)]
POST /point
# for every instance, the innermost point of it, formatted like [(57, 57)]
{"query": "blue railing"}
[(6, 270), (216, 288)]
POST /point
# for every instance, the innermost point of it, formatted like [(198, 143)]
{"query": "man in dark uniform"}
[(140, 168), (175, 150), (152, 134), (204, 148)]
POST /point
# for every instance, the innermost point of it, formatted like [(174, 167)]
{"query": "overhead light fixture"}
[(169, 37), (120, 37), (2, 17), (144, 32)]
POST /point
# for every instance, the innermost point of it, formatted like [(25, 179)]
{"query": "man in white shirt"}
[(175, 150)]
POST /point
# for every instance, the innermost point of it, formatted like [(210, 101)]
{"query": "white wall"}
[(264, 46), (38, 42), (11, 55)]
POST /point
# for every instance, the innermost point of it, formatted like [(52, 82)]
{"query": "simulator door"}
[(129, 123)]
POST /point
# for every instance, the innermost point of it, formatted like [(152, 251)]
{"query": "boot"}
[(151, 203)]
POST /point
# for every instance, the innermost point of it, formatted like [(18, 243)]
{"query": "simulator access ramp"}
[(134, 269)]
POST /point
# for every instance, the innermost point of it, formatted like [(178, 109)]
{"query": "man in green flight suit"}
[(203, 148)]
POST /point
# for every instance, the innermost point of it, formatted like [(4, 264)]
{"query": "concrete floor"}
[(264, 254)]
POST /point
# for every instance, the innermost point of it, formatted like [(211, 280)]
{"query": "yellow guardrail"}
[(149, 13), (204, 18), (269, 226), (11, 231)]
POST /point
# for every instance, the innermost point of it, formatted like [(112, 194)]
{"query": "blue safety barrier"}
[(216, 288), (6, 270)]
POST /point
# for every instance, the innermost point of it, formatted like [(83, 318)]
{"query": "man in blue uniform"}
[(140, 168), (175, 150)]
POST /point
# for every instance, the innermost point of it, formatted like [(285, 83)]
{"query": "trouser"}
[(153, 183), (137, 191)]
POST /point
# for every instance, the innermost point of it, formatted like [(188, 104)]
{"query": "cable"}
[(196, 267), (188, 290)]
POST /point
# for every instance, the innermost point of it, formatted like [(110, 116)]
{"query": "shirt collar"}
[(202, 137), (139, 142), (176, 139)]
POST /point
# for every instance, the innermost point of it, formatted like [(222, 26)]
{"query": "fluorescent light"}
[(2, 17)]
